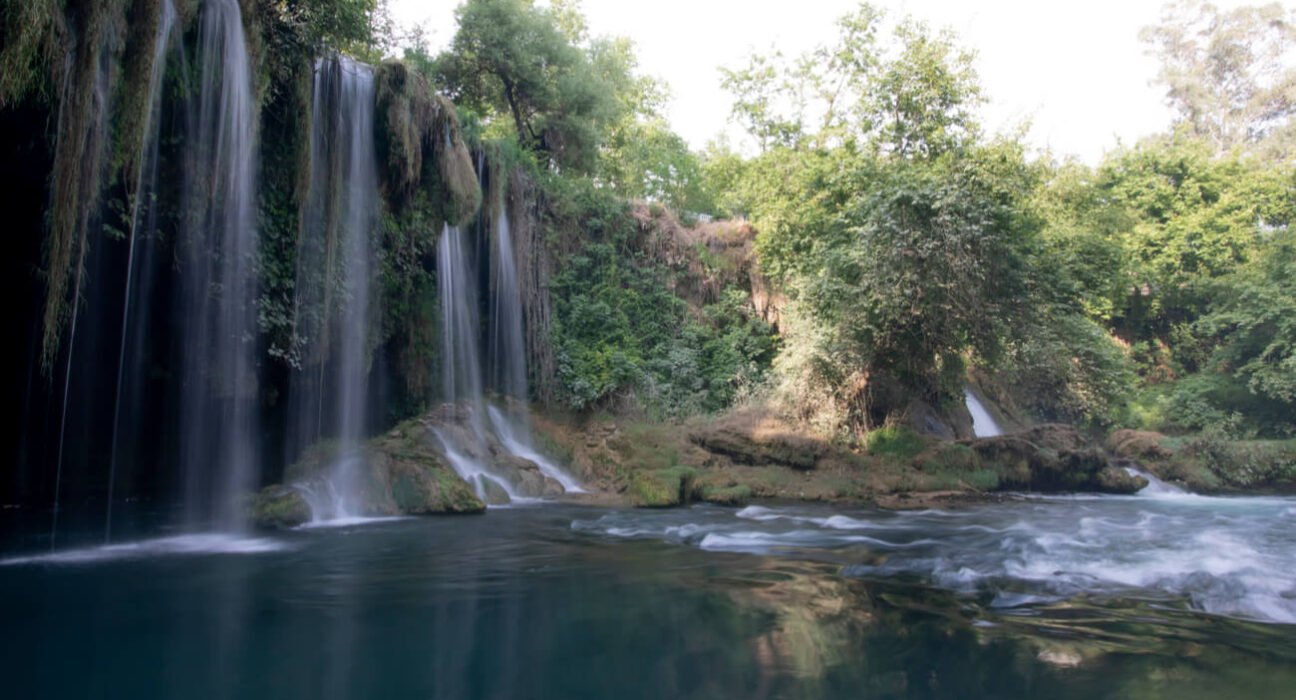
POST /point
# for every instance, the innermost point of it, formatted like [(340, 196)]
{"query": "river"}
[(1169, 596)]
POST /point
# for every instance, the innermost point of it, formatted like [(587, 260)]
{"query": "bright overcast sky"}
[(1076, 70)]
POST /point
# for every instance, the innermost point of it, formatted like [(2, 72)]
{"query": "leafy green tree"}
[(1193, 218), (513, 59), (1254, 319), (923, 101)]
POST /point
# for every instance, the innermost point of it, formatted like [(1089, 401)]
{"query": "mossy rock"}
[(421, 146), (1139, 444), (736, 495), (1117, 480), (280, 507), (947, 456), (423, 485), (660, 488), (784, 449)]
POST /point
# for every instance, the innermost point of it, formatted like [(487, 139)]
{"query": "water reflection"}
[(517, 604)]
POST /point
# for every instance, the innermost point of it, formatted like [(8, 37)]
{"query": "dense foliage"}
[(908, 250), (1146, 291)]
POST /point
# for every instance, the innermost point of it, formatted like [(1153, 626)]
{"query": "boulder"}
[(1050, 458), (525, 476), (280, 507), (1138, 444), (760, 446)]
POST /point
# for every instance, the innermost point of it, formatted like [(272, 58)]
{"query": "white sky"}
[(1076, 70)]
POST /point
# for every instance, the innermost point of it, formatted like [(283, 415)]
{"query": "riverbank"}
[(753, 455)]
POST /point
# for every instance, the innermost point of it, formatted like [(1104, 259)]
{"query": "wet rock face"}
[(403, 473), (525, 476), (461, 426)]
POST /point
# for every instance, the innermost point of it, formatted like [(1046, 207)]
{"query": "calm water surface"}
[(1061, 598)]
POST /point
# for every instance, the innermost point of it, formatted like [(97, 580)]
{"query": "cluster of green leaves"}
[(623, 337), (534, 73), (1181, 253)]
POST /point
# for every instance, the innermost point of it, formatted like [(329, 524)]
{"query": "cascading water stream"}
[(218, 251), (512, 423), (93, 141), (461, 374), (335, 282), (143, 222), (1156, 488), (983, 424)]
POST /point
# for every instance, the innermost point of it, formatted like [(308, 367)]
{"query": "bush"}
[(894, 441)]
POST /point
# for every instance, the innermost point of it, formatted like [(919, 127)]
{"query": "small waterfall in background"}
[(1156, 488), (983, 425), (461, 373), (218, 249), (139, 266), (335, 285), (512, 423)]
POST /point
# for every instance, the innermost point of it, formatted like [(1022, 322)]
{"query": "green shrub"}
[(894, 441)]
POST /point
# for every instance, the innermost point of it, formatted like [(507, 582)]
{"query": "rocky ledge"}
[(407, 471)]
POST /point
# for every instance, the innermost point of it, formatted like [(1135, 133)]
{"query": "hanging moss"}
[(284, 179), (81, 142), (137, 67), (33, 34), (421, 146)]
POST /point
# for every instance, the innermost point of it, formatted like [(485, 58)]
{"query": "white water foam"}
[(180, 545), (1233, 557), (349, 521)]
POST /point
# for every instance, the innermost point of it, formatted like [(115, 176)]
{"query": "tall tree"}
[(1230, 74), (514, 59)]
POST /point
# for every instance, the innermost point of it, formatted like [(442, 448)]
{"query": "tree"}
[(513, 59), (1192, 218), (916, 99), (1230, 74), (1254, 319), (923, 101)]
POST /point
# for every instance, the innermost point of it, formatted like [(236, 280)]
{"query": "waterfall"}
[(461, 374), (1156, 488), (139, 260), (983, 425), (335, 285), (508, 350), (218, 280)]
